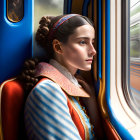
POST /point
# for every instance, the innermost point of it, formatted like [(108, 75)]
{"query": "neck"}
[(71, 69)]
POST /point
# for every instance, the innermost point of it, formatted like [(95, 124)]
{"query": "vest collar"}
[(46, 70), (64, 71)]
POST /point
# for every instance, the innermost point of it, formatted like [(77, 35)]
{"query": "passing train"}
[(116, 66)]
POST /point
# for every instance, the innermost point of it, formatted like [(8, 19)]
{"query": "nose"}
[(92, 50)]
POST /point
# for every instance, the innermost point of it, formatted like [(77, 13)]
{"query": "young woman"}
[(58, 107)]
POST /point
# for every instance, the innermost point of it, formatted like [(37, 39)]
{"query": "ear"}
[(57, 46)]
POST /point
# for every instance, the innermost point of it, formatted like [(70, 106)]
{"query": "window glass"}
[(135, 51), (15, 10), (45, 8)]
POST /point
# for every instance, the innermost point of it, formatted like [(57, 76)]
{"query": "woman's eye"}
[(82, 42)]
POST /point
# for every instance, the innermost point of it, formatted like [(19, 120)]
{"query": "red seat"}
[(12, 104)]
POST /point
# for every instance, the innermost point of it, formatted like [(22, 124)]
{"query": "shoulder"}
[(49, 90), (48, 85), (47, 95), (47, 82)]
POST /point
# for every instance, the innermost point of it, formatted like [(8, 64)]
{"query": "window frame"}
[(126, 56), (124, 120), (8, 12)]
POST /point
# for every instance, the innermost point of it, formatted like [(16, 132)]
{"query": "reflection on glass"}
[(15, 11), (135, 51)]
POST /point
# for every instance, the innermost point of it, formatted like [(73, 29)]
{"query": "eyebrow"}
[(84, 38)]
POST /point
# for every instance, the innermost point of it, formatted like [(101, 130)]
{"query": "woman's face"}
[(79, 50)]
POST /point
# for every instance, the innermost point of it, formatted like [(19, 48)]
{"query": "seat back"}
[(12, 105)]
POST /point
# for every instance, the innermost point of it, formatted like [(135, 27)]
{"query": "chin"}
[(86, 68)]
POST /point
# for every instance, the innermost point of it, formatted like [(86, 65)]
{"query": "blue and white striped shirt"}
[(47, 115)]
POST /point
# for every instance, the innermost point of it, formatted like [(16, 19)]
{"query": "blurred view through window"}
[(47, 8), (135, 51)]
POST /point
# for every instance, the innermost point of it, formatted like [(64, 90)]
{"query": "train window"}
[(135, 52), (15, 10), (45, 8)]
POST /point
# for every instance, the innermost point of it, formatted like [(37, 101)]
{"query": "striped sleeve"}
[(47, 114)]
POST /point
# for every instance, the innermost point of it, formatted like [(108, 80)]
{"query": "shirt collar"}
[(64, 71)]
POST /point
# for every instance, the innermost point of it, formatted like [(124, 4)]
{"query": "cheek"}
[(75, 53), (76, 56)]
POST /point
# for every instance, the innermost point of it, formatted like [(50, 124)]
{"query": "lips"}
[(89, 60)]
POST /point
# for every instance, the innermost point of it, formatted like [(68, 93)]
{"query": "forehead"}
[(85, 30)]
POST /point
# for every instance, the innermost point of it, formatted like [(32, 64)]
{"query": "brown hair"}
[(61, 34)]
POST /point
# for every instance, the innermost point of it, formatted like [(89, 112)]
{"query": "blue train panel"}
[(123, 132), (15, 40)]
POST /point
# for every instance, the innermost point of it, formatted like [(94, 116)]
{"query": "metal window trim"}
[(126, 55)]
